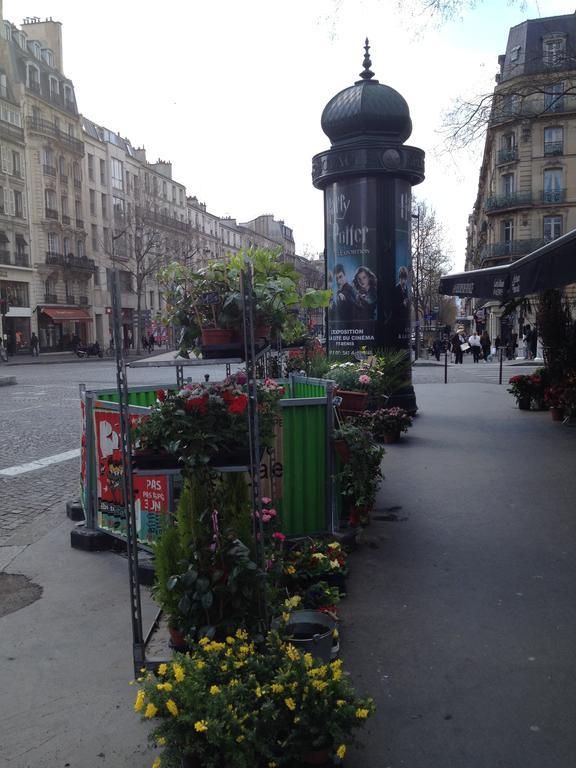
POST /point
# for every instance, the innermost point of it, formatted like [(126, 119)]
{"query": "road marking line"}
[(40, 463)]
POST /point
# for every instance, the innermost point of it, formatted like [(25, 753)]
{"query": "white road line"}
[(40, 463)]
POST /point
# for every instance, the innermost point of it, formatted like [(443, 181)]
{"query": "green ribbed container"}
[(145, 398)]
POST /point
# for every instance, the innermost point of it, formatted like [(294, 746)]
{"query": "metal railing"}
[(83, 301), (45, 128), (76, 262), (553, 147), (22, 260), (49, 170), (553, 196), (70, 299), (51, 213), (65, 219), (511, 200), (512, 248), (79, 223), (5, 257), (50, 298), (507, 155)]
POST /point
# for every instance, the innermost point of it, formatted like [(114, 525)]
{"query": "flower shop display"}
[(386, 424), (205, 420), (360, 476), (553, 397), (528, 389), (309, 561), (234, 704)]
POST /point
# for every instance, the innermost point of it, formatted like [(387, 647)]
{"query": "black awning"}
[(552, 266), (3, 238)]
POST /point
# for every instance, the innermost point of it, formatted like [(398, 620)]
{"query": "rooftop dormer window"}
[(54, 87), (21, 39), (7, 30), (36, 50), (33, 77), (48, 56), (3, 86), (554, 51)]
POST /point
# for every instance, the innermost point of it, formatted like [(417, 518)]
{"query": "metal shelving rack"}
[(139, 641)]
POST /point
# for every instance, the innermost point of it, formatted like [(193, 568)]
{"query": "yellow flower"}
[(233, 683), (337, 674), (230, 640), (290, 570), (200, 726), (285, 617), (293, 654), (241, 634), (341, 751), (214, 690), (160, 741), (319, 685), (178, 670), (200, 664), (239, 664), (319, 556), (272, 764), (164, 686), (296, 719), (334, 564), (150, 710), (139, 703), (362, 714), (293, 602), (162, 669), (277, 688), (308, 660), (172, 708), (203, 641), (290, 703), (340, 702), (258, 692), (229, 652), (334, 545), (244, 650), (240, 738), (157, 763)]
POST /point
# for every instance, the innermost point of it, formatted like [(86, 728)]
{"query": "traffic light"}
[(4, 306)]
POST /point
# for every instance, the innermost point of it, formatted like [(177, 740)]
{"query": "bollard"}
[(446, 365), (501, 361)]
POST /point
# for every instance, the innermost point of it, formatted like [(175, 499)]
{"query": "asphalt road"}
[(40, 419)]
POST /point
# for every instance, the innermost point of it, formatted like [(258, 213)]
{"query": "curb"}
[(5, 381)]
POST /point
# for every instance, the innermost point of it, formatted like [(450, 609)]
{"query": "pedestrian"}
[(34, 345), (458, 341), (144, 342), (533, 344), (485, 343), (475, 345), (526, 340), (436, 348), (151, 342)]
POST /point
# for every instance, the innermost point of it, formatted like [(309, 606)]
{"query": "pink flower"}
[(241, 377), (266, 500), (266, 518), (279, 536), (271, 512), (364, 379)]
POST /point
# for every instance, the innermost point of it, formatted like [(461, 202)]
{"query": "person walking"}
[(436, 348), (34, 345), (457, 341), (144, 342), (151, 342), (485, 343), (474, 341)]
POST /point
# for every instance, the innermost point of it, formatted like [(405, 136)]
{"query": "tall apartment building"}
[(78, 200), (527, 186)]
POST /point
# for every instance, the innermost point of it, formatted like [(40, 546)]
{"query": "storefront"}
[(60, 328), (16, 323)]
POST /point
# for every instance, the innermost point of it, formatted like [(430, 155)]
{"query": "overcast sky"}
[(232, 91)]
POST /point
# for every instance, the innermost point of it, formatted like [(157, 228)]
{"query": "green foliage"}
[(168, 554), (380, 374), (384, 421), (359, 478)]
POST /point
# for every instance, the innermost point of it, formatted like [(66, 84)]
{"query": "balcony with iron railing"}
[(50, 298), (45, 128), (70, 261), (553, 148), (70, 299), (531, 108), (79, 223), (65, 218), (78, 183), (553, 196), (511, 248), (49, 170), (507, 201), (22, 260), (83, 301), (508, 155), (51, 213), (5, 257)]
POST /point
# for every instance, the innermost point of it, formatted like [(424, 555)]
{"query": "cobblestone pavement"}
[(40, 417)]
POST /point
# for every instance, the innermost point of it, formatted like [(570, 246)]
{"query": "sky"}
[(232, 92)]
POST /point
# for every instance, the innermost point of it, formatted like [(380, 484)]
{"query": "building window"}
[(18, 204), (507, 234), (92, 194), (508, 184), (53, 244), (78, 210), (37, 50), (118, 208), (66, 246), (51, 203), (515, 53), (151, 306), (62, 168), (33, 78), (48, 56), (117, 174), (76, 174), (80, 249), (552, 227), (553, 185), (94, 233), (16, 166), (3, 86), (553, 97), (68, 97), (104, 201), (554, 52), (64, 201), (15, 292), (553, 141), (102, 172), (91, 167), (54, 87)]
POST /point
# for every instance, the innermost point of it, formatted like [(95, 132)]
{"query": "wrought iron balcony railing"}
[(511, 200), (508, 155), (553, 195), (554, 148)]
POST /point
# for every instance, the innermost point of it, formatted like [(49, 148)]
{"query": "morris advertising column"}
[(367, 178)]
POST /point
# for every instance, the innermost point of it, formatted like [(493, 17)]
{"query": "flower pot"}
[(311, 631), (557, 414), (342, 449), (352, 402), (524, 403), (177, 640), (360, 516), (391, 437), (215, 336)]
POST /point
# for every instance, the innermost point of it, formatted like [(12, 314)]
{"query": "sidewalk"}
[(47, 358), (460, 619)]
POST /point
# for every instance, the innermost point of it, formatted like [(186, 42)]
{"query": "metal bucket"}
[(311, 632)]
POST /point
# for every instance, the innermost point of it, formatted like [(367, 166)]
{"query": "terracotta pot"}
[(177, 640), (342, 449), (557, 414), (317, 757), (352, 402), (391, 437), (215, 336)]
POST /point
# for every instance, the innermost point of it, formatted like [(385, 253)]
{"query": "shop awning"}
[(66, 313), (552, 266)]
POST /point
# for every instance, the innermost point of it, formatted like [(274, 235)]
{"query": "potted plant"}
[(386, 424), (360, 477), (553, 397), (352, 386), (521, 388), (239, 705), (312, 560)]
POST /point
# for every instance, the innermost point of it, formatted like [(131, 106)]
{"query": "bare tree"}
[(430, 259)]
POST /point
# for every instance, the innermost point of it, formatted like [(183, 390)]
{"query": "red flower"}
[(196, 402), (161, 395), (239, 404), (227, 396)]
